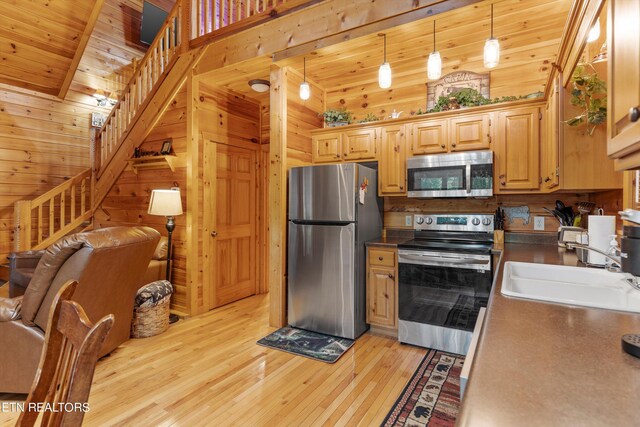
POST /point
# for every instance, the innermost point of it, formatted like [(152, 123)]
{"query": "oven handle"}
[(468, 178), (467, 263)]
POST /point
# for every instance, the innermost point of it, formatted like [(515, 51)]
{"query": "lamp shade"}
[(305, 91), (165, 203), (434, 66), (491, 53), (384, 76)]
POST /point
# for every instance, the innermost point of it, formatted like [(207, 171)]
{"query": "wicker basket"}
[(150, 321)]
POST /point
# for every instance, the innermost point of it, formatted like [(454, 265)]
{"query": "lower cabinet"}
[(382, 287)]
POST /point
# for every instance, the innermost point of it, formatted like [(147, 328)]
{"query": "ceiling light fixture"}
[(491, 48), (305, 90), (384, 73), (434, 64), (594, 32), (259, 85), (103, 100)]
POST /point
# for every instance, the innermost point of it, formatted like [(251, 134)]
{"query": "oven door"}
[(443, 289)]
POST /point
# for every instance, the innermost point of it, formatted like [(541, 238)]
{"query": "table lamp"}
[(169, 204)]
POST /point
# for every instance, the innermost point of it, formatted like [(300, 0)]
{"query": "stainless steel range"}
[(445, 276)]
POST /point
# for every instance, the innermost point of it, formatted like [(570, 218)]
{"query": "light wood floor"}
[(208, 370)]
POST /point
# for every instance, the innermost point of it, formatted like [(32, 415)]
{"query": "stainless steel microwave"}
[(466, 174)]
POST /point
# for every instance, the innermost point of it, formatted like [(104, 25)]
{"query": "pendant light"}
[(491, 48), (305, 90), (594, 32), (384, 72), (434, 64)]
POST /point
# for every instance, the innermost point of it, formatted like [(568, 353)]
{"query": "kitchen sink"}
[(587, 287)]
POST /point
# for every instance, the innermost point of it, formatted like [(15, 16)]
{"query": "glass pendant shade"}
[(491, 53), (305, 91), (594, 32), (434, 66), (384, 76)]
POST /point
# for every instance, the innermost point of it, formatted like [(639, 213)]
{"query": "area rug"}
[(309, 344), (432, 397)]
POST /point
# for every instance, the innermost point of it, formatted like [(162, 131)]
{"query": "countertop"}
[(391, 242), (540, 364)]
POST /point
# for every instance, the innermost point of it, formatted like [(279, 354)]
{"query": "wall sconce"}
[(103, 100)]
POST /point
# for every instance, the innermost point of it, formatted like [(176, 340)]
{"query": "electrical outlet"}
[(538, 223), (408, 220)]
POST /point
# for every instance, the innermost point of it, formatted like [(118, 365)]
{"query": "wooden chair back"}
[(61, 388)]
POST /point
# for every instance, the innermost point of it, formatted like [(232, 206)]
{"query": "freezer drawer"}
[(322, 278), (323, 193)]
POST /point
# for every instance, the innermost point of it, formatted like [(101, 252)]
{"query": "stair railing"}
[(40, 222), (149, 70)]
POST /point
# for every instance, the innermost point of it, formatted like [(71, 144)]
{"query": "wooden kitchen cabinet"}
[(550, 139), (517, 155), (359, 144), (382, 288), (392, 169), (623, 86), (470, 132), (326, 147), (429, 137)]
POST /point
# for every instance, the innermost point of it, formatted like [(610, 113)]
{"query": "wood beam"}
[(84, 40), (318, 22), (278, 197), (193, 200)]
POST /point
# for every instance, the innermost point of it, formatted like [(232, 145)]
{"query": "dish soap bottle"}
[(613, 251)]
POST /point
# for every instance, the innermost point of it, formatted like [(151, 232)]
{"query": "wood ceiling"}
[(529, 32)]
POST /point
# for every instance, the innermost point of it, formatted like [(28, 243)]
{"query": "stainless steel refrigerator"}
[(329, 222)]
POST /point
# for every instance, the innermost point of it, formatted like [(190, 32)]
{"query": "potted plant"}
[(370, 117), (589, 93), (339, 117)]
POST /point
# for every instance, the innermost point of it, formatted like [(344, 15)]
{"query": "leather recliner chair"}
[(108, 264)]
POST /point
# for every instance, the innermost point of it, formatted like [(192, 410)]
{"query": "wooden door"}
[(623, 45), (551, 139), (326, 147), (359, 144), (429, 137), (470, 132), (517, 158), (231, 222), (381, 294), (392, 169)]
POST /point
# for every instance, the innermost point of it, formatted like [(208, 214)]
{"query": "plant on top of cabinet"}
[(370, 117), (469, 97), (589, 93), (339, 117)]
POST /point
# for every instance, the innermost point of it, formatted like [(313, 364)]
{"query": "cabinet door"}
[(551, 139), (326, 147), (623, 82), (429, 137), (517, 158), (470, 132), (392, 169), (381, 297), (359, 144)]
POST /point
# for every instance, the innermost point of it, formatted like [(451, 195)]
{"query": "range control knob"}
[(419, 220), (486, 221), (475, 221), (428, 220)]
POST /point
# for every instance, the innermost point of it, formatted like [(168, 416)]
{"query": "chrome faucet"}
[(615, 259), (632, 280)]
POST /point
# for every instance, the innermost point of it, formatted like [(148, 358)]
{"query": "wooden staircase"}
[(190, 26)]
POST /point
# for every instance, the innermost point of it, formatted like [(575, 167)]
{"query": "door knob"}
[(214, 233), (634, 114)]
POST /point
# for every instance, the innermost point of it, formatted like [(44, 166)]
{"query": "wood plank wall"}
[(396, 208), (128, 200)]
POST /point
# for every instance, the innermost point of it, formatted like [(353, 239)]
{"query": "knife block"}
[(498, 239)]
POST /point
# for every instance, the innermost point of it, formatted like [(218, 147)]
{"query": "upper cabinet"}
[(392, 167), (429, 137), (359, 144), (326, 147), (550, 139), (470, 132), (517, 158), (623, 107)]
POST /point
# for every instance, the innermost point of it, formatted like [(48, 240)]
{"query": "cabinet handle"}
[(345, 154), (501, 176), (634, 114), (380, 258), (391, 276), (503, 183), (214, 233), (443, 146), (337, 155), (547, 179), (453, 144), (401, 187)]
